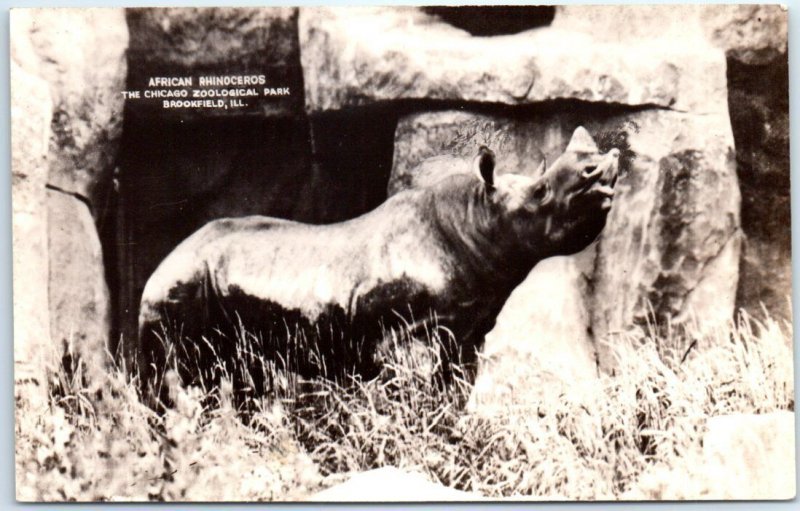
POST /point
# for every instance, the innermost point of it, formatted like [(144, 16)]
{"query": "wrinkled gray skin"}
[(454, 250)]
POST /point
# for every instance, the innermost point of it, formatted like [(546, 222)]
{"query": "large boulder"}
[(670, 246), (627, 23), (742, 457), (759, 104), (31, 111), (754, 455), (753, 34), (542, 338), (754, 39), (360, 56), (198, 42), (80, 53), (79, 300), (670, 250)]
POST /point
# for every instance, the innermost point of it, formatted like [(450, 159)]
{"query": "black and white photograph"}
[(478, 253)]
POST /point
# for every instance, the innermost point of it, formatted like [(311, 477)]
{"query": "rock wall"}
[(754, 40), (73, 60), (696, 96), (359, 56), (31, 110), (671, 249), (759, 105)]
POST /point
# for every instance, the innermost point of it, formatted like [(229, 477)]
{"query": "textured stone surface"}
[(740, 457), (31, 110), (625, 23), (754, 38), (759, 105), (79, 302), (756, 454), (751, 33), (674, 228), (81, 55), (390, 484), (455, 137), (215, 42), (672, 238), (359, 56), (541, 340)]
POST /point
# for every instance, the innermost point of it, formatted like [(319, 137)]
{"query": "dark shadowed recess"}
[(758, 100), (495, 20), (178, 174)]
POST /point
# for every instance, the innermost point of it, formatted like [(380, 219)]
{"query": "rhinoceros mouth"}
[(599, 180)]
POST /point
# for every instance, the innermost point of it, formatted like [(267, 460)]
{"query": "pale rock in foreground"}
[(541, 340), (390, 484), (743, 457), (752, 455)]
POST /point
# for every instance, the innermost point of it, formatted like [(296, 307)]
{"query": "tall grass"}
[(294, 436)]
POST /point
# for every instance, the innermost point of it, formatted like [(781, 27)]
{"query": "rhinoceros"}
[(322, 298)]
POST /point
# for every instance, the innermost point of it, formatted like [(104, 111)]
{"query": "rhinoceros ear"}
[(484, 165), (581, 142)]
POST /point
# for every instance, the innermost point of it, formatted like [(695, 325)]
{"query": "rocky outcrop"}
[(359, 56), (752, 34), (759, 105), (754, 39), (197, 42), (671, 249), (31, 111), (760, 118), (79, 54), (673, 234), (542, 341), (79, 301), (421, 136)]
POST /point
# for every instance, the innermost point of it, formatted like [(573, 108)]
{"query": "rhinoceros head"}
[(562, 209)]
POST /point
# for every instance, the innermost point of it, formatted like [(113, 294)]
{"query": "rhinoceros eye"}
[(542, 193)]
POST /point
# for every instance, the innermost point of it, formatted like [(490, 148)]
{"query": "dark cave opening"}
[(486, 20), (175, 175)]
